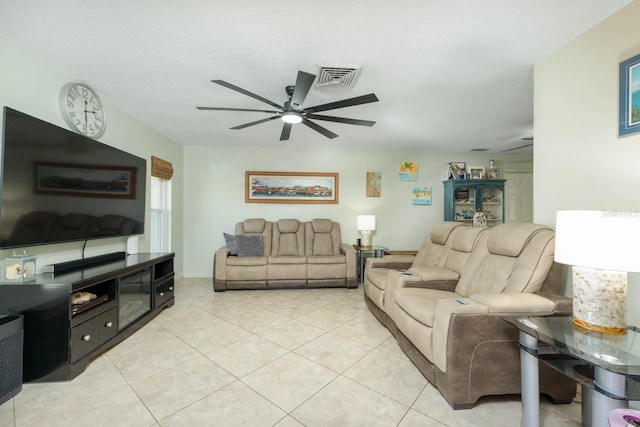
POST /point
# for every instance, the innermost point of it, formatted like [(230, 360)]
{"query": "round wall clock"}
[(82, 110)]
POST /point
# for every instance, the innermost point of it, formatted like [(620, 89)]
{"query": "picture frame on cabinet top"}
[(477, 172)]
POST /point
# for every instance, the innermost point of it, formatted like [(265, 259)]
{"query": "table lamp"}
[(602, 247), (366, 224)]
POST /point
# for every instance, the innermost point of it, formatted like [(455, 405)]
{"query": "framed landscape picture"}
[(117, 182), (629, 97), (291, 187)]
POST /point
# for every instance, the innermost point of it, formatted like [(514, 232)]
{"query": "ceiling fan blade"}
[(341, 120), (257, 122), (286, 131), (364, 99), (516, 148), (303, 85), (236, 109), (246, 92), (326, 132)]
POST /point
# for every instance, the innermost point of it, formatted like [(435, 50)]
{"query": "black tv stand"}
[(62, 336), (78, 264)]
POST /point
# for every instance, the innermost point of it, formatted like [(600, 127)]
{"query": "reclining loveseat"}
[(445, 307), (284, 254)]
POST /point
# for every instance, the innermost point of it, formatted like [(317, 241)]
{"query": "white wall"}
[(31, 85), (214, 193), (580, 163)]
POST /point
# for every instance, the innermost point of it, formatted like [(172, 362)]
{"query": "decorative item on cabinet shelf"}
[(491, 198), (479, 219), (19, 268)]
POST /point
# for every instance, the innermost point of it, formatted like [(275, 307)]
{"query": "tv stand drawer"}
[(107, 325), (84, 338)]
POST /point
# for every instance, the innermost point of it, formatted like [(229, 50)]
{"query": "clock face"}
[(82, 110)]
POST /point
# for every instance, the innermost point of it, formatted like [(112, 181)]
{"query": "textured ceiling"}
[(451, 75)]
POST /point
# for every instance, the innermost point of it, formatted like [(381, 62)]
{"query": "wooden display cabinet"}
[(464, 197)]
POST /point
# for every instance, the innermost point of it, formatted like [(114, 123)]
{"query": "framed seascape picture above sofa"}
[(291, 187), (629, 111)]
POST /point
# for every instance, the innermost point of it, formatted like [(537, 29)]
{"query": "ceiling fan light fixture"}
[(291, 117)]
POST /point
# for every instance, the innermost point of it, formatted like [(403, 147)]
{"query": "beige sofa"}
[(445, 306), (293, 254)]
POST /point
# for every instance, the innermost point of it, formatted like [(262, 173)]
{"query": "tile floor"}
[(312, 357)]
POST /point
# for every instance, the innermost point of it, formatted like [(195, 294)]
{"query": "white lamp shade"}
[(366, 222), (605, 240)]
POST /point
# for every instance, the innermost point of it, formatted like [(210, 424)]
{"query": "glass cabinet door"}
[(464, 202), (493, 204)]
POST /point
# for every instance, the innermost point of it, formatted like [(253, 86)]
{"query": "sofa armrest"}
[(394, 262), (564, 304), (515, 303), (220, 263), (351, 255)]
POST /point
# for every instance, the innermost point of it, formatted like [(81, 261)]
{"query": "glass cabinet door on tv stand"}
[(464, 197)]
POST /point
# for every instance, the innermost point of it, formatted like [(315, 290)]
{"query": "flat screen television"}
[(59, 186)]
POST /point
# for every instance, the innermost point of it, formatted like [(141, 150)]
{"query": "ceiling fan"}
[(529, 138), (292, 112)]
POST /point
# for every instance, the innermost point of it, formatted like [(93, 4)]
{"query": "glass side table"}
[(606, 366), (363, 254)]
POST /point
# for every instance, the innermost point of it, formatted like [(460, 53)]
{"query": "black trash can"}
[(11, 343)]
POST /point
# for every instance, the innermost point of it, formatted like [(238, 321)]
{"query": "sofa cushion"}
[(466, 238), (430, 274), (510, 238), (288, 225), (288, 238), (249, 246), (254, 225), (338, 259), (421, 303), (322, 225), (322, 237), (287, 260), (232, 243), (441, 232), (434, 249), (259, 227), (246, 261)]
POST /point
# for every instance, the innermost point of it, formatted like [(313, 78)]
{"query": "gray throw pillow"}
[(232, 243), (249, 245)]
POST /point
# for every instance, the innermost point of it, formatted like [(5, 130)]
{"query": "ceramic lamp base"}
[(600, 300), (365, 239)]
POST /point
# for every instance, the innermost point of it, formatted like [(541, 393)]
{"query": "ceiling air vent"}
[(479, 149), (337, 76)]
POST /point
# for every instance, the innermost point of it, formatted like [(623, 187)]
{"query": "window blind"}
[(161, 168)]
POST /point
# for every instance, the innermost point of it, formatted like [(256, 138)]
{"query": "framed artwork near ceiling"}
[(629, 97), (290, 187)]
